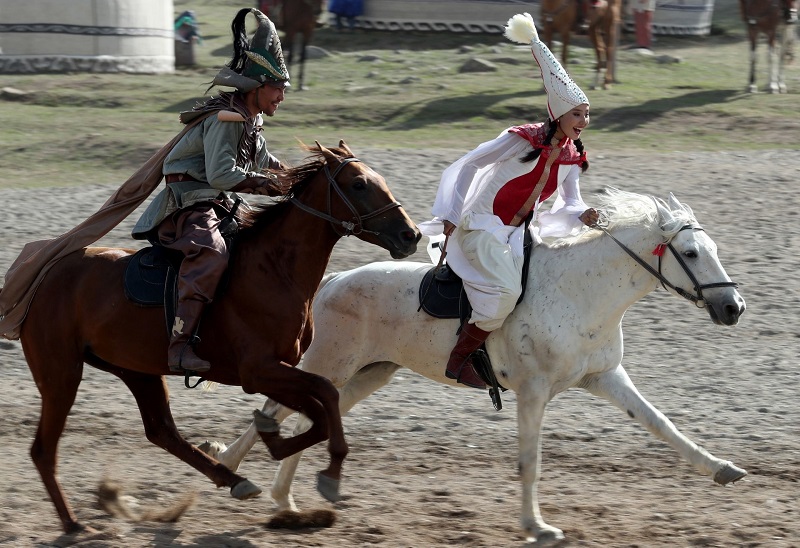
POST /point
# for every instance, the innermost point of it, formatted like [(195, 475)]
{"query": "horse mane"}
[(289, 182), (624, 209)]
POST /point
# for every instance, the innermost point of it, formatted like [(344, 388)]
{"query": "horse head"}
[(692, 268), (358, 202)]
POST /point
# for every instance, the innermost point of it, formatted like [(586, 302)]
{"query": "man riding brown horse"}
[(222, 155)]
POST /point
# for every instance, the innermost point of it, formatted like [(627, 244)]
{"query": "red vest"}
[(512, 196)]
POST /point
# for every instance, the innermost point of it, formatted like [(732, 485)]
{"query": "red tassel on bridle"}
[(658, 251)]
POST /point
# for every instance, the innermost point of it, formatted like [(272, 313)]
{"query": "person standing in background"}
[(346, 9), (643, 20)]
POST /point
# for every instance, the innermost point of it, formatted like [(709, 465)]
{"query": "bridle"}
[(354, 227), (697, 298)]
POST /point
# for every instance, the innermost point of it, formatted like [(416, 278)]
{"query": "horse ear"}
[(677, 206), (665, 217), (344, 147), (674, 204), (329, 156)]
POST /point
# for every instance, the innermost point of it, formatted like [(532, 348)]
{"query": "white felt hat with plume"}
[(562, 93)]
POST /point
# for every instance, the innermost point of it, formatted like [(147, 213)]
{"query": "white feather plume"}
[(521, 29)]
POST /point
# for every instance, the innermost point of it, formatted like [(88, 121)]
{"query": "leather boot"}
[(460, 366), (180, 354)]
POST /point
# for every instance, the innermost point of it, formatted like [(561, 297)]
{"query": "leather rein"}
[(697, 298), (350, 227)]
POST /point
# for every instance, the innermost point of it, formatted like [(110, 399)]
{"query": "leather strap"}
[(178, 178), (537, 189)]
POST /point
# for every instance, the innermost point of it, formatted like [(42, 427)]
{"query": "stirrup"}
[(457, 376)]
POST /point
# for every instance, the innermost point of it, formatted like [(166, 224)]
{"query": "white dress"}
[(484, 250)]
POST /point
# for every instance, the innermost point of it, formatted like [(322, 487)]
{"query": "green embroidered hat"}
[(257, 62)]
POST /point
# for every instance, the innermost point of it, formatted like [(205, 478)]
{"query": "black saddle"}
[(151, 279), (442, 295), (151, 274)]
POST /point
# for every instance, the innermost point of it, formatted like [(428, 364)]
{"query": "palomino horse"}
[(776, 19), (605, 17), (558, 16), (299, 17), (562, 335), (253, 334)]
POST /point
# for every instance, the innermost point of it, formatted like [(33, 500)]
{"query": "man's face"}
[(269, 97)]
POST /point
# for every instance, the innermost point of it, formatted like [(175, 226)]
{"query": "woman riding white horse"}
[(560, 336)]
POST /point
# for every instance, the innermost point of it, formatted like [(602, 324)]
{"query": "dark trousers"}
[(195, 232)]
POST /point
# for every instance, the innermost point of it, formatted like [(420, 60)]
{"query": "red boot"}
[(460, 366)]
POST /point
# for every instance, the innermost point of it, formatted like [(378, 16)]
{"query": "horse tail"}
[(111, 498)]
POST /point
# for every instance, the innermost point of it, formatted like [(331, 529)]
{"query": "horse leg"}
[(152, 397), (310, 394), (360, 386), (753, 33), (611, 53), (58, 395), (784, 55), (303, 62), (616, 387), (232, 455), (772, 62), (531, 402), (599, 52)]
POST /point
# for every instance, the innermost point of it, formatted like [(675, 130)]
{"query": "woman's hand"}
[(448, 227), (590, 217)]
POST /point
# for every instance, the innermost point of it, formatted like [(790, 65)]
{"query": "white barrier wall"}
[(690, 17), (478, 16), (489, 16), (87, 36)]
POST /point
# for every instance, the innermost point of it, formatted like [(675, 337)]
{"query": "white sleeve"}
[(563, 217), (457, 180)]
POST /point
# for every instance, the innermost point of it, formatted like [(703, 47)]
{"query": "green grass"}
[(101, 127)]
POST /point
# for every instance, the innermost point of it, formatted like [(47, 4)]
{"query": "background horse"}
[(299, 17), (254, 332), (605, 17), (560, 336), (558, 16), (769, 17)]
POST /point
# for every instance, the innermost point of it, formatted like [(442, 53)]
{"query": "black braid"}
[(533, 154), (579, 147), (240, 44)]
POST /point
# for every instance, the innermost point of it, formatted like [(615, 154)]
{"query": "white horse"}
[(562, 335)]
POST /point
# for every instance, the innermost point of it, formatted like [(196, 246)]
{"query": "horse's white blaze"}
[(561, 336)]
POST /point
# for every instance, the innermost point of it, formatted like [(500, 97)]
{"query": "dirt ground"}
[(432, 465)]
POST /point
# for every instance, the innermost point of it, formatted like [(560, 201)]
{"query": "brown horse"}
[(605, 17), (775, 19), (558, 16), (254, 332), (298, 17)]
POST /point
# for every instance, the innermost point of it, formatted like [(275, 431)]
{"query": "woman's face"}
[(574, 122)]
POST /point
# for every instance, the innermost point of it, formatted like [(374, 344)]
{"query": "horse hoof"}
[(548, 536), (264, 423), (212, 448), (244, 490), (729, 473), (328, 488)]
